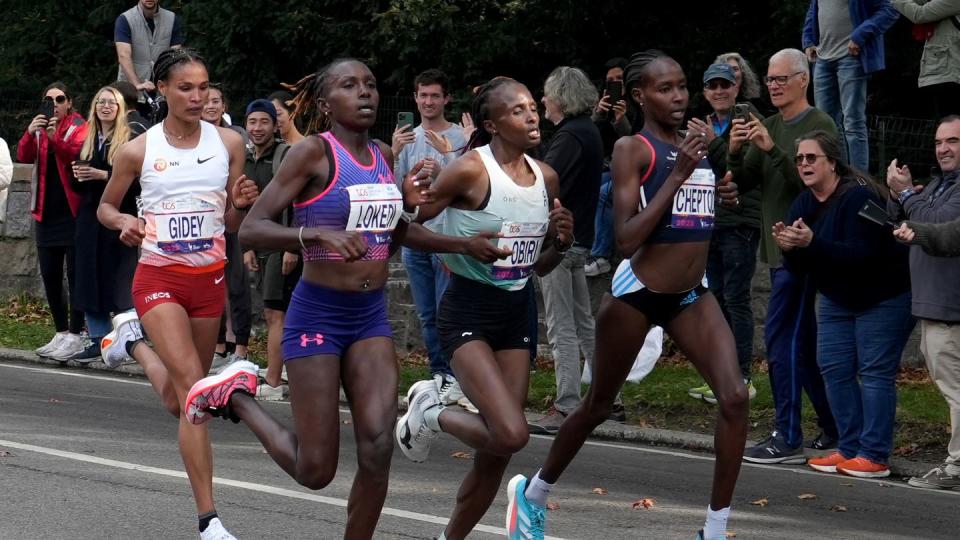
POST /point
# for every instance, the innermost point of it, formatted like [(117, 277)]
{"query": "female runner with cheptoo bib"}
[(482, 319), (663, 213), (347, 222), (192, 189)]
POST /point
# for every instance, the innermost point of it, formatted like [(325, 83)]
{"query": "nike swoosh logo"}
[(202, 161), (466, 334), (216, 281)]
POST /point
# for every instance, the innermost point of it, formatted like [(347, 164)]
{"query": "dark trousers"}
[(52, 260), (791, 338), (731, 263), (238, 291)]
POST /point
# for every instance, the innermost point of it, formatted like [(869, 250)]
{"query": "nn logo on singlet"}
[(161, 164)]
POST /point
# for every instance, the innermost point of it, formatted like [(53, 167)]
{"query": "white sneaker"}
[(596, 266), (265, 392), (413, 434), (216, 531), (70, 345), (52, 344), (113, 346), (448, 388), (231, 358), (468, 405)]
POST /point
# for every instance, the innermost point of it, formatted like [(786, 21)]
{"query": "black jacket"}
[(576, 153)]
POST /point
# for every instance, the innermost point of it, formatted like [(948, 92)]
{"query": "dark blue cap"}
[(719, 71), (262, 105)]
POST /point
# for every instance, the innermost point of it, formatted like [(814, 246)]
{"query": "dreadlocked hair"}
[(636, 70), (480, 109), (306, 94)]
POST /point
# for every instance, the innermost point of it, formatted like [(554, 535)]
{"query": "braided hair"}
[(635, 73), (166, 62), (306, 94), (480, 109)]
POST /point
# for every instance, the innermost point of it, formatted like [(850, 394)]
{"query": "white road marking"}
[(262, 488), (631, 448)]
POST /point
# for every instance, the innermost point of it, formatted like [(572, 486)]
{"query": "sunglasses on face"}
[(718, 83), (809, 158), (61, 99)]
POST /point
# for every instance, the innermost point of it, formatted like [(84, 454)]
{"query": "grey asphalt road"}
[(89, 455)]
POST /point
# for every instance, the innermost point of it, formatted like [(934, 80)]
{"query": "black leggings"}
[(238, 291), (51, 271)]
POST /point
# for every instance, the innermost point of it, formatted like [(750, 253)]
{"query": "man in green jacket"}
[(790, 330), (938, 22)]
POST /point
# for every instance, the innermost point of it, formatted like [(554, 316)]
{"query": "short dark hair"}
[(618, 62), (432, 76), (59, 86), (945, 120), (129, 93), (283, 98)]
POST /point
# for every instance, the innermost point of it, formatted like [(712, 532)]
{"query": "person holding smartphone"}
[(732, 259), (52, 141)]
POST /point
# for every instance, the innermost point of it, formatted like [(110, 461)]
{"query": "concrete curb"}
[(609, 431)]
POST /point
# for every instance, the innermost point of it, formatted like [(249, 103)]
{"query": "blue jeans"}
[(858, 353), (603, 221), (840, 90), (731, 263), (791, 338), (428, 279), (98, 324)]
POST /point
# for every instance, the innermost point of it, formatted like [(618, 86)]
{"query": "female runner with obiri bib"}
[(663, 190), (482, 319)]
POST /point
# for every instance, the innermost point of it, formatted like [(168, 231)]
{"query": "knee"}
[(273, 317), (596, 411), (317, 476), (733, 401), (374, 453), (509, 441)]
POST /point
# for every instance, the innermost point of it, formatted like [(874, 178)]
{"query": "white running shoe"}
[(448, 388), (265, 392), (52, 344), (216, 531), (113, 346), (70, 345), (596, 266), (228, 361), (412, 432)]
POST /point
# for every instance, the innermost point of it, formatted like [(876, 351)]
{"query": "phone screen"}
[(615, 91), (404, 118), (46, 108)]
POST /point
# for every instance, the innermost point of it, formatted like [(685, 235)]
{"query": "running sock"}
[(130, 346), (538, 490), (716, 524), (205, 519), (431, 417)]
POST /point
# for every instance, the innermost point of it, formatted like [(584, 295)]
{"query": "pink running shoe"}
[(209, 396)]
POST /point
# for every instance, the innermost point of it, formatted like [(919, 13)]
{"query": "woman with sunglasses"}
[(104, 265), (52, 142), (864, 313)]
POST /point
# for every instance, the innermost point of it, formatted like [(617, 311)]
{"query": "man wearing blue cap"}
[(732, 259), (278, 271)]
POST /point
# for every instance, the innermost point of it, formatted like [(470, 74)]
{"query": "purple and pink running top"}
[(359, 198)]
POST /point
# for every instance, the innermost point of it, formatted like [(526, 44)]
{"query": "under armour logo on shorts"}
[(318, 340)]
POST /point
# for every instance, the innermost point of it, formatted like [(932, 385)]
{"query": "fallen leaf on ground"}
[(906, 450), (461, 455), (760, 502), (731, 534), (547, 400), (846, 484), (599, 491), (806, 496), (884, 484), (552, 506), (4, 453), (643, 503), (53, 400), (838, 508)]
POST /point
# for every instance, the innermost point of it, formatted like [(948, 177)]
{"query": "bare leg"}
[(369, 374), (274, 320), (497, 385), (704, 336), (179, 342), (157, 374), (621, 331)]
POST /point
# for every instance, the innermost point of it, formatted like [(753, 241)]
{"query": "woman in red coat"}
[(52, 144)]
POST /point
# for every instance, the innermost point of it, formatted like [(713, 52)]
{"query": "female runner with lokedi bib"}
[(663, 213), (494, 189), (192, 189)]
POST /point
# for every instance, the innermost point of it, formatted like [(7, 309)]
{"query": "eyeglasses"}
[(61, 99), (810, 158), (780, 80), (106, 103), (718, 83)]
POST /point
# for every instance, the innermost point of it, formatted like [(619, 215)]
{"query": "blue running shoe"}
[(525, 520), (700, 534)]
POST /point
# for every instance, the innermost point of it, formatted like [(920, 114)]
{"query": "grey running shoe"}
[(596, 266), (936, 478), (549, 424), (70, 345), (52, 344), (774, 450)]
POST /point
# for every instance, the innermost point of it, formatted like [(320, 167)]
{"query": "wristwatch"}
[(905, 194)]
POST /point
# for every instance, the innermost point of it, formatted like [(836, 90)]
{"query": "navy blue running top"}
[(690, 217)]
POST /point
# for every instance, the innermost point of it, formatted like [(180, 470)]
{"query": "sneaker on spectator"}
[(230, 359), (774, 449), (113, 346), (549, 424), (710, 398), (70, 345), (89, 353), (823, 442), (697, 392), (862, 467), (827, 463), (618, 414), (265, 392), (52, 344), (596, 266), (936, 478)]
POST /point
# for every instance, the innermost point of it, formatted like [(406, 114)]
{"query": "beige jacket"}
[(941, 53)]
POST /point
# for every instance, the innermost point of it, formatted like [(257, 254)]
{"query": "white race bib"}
[(524, 240), (185, 225), (695, 201), (374, 208)]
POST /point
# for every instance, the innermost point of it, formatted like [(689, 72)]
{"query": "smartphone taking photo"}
[(404, 118), (46, 108), (742, 110)]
